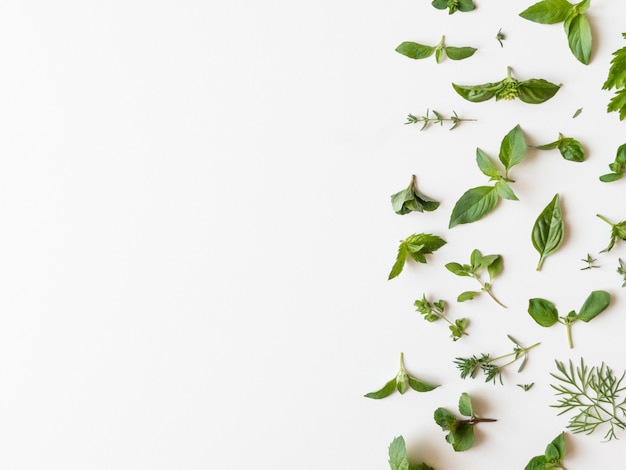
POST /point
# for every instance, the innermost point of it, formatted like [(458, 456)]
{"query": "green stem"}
[(477, 420), (605, 219), (488, 291), (541, 258), (568, 328)]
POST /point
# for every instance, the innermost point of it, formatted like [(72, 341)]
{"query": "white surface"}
[(197, 232)]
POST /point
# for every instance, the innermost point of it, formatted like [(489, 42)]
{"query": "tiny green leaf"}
[(465, 405), (543, 312), (487, 166), (595, 304), (548, 231), (468, 295), (504, 191)]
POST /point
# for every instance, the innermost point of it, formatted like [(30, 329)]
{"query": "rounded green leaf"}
[(473, 205), (513, 147), (440, 4), (610, 177), (536, 90), (579, 37), (463, 438), (460, 53), (543, 312), (595, 304), (466, 5), (468, 295), (571, 150), (445, 419), (537, 463), (414, 50), (457, 269), (465, 405)]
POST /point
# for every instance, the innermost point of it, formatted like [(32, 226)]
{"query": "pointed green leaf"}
[(538, 463), (543, 312), (465, 405), (559, 443), (467, 295), (387, 390), (414, 50), (579, 37), (487, 166), (513, 147), (459, 53), (398, 266), (457, 269), (420, 386), (536, 90), (552, 453), (595, 304), (548, 231), (550, 146), (495, 268), (402, 382), (504, 191), (397, 454), (548, 11), (478, 93), (473, 205)]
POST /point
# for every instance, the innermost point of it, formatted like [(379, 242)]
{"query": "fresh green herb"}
[(546, 314), (526, 387), (574, 21), (500, 37), (461, 431), (589, 260), (413, 50), (398, 459), (618, 230), (570, 148), (593, 394), (618, 167), (548, 231), (492, 367), (437, 119), (454, 5), (621, 269), (533, 91), (617, 80), (475, 203), (577, 113), (415, 246), (435, 311), (478, 263), (411, 200), (401, 382), (552, 457)]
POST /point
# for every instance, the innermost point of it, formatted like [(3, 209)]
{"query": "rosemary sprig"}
[(437, 119), (593, 395)]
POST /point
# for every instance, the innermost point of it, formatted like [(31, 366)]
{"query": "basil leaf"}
[(387, 390), (468, 295), (465, 405), (440, 4), (457, 269), (462, 438), (473, 205), (420, 386), (411, 200), (547, 11), (543, 312), (552, 453), (487, 167), (559, 443), (512, 148), (536, 90), (414, 50), (548, 231), (579, 37), (610, 177), (550, 146), (571, 149), (466, 5), (495, 268), (538, 463), (504, 191), (595, 304), (459, 53), (478, 93)]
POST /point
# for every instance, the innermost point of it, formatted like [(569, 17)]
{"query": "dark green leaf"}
[(420, 386), (595, 304), (579, 37), (538, 463), (473, 205), (463, 438), (513, 148), (387, 390), (459, 53), (543, 312), (571, 149), (548, 231), (478, 93), (398, 266), (466, 5), (610, 177), (577, 113), (465, 405), (547, 11), (468, 295), (536, 90), (414, 50), (559, 444), (440, 4), (504, 191)]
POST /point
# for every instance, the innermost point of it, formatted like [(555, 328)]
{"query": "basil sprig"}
[(401, 382), (533, 91), (454, 5), (414, 50), (548, 231), (411, 200), (618, 167)]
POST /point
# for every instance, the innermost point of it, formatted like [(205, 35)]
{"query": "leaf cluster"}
[(593, 395), (454, 5), (414, 50), (477, 202), (478, 264), (398, 459), (492, 367), (401, 382), (549, 230), (570, 148), (618, 230), (617, 80), (435, 311), (416, 247), (546, 314), (551, 458), (618, 167), (575, 23), (460, 431), (532, 91), (411, 199), (437, 119)]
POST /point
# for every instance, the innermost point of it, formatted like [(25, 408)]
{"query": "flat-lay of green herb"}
[(618, 167), (500, 37), (398, 459), (548, 231), (438, 118), (460, 431), (526, 387), (617, 80), (621, 270), (478, 264), (618, 230), (593, 395), (401, 382), (415, 246), (589, 260), (411, 199), (570, 148), (454, 5), (435, 311), (574, 21), (492, 367), (475, 203), (552, 457), (532, 91), (546, 314), (577, 113), (414, 50)]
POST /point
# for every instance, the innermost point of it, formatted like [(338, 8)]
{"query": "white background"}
[(196, 232)]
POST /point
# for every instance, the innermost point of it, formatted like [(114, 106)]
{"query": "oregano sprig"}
[(618, 231), (398, 459), (435, 311), (416, 247), (438, 118), (546, 314), (493, 264), (454, 5), (401, 382), (569, 148), (552, 457), (411, 199), (477, 202), (414, 50), (548, 231), (618, 167), (460, 431)]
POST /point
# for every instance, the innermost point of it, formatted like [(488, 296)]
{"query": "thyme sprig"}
[(438, 118)]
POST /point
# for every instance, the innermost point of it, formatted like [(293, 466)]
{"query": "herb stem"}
[(488, 291), (605, 219), (540, 263), (568, 329), (477, 420)]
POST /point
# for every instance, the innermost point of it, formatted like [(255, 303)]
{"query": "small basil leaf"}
[(402, 381), (513, 147), (552, 453), (468, 295), (610, 177), (420, 386), (548, 231), (487, 167), (571, 150), (543, 312), (414, 50), (387, 390), (459, 53), (550, 146), (595, 304), (495, 268), (478, 93), (440, 4), (537, 463), (547, 11), (559, 443), (465, 405), (438, 54), (579, 37), (504, 191), (536, 90), (473, 205), (457, 269)]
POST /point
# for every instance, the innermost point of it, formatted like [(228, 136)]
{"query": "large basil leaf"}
[(543, 312), (414, 50), (548, 11), (478, 93), (536, 90), (579, 37), (548, 231), (473, 205), (513, 148), (595, 304)]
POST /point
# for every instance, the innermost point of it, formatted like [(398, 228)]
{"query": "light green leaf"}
[(548, 11), (420, 385), (478, 93), (495, 268), (457, 269), (465, 405), (459, 53), (414, 50), (463, 438), (579, 37), (473, 205), (387, 390), (487, 166), (538, 463), (468, 295), (445, 419), (548, 231), (559, 443), (504, 191), (543, 312), (513, 148), (595, 304), (397, 454)]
